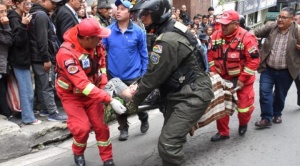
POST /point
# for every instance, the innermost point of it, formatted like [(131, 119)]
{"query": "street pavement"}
[(275, 146)]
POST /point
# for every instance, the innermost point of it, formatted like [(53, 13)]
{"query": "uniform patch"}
[(157, 48), (69, 62), (252, 49), (86, 63), (154, 58), (72, 69), (180, 26)]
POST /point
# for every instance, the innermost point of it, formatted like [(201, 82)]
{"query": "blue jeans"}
[(272, 103), (23, 77)]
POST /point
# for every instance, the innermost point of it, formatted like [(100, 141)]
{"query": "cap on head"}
[(92, 27), (104, 4), (94, 4), (229, 16), (203, 36), (125, 3)]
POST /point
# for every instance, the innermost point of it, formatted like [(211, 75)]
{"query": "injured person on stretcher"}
[(120, 91), (224, 102)]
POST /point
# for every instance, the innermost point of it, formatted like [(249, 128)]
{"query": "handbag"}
[(13, 94)]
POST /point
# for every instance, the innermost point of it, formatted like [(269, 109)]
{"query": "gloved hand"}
[(103, 81), (118, 106), (132, 107)]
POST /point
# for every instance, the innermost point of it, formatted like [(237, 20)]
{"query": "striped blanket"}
[(224, 102)]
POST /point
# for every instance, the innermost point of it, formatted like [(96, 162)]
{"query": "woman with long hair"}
[(19, 57)]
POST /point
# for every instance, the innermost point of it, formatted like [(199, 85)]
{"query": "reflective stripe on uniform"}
[(249, 71), (103, 70), (62, 84), (172, 145), (212, 63), (104, 143), (218, 42), (87, 90), (218, 70), (234, 72), (244, 109), (83, 56), (78, 144)]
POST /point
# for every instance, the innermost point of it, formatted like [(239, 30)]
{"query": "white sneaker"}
[(35, 122)]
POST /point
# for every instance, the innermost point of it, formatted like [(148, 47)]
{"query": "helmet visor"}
[(144, 13), (141, 13)]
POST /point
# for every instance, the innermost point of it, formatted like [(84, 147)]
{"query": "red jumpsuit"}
[(81, 75), (235, 57)]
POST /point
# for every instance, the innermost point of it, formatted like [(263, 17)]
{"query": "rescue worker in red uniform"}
[(234, 55), (81, 74)]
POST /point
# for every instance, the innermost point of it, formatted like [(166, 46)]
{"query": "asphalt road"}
[(276, 146)]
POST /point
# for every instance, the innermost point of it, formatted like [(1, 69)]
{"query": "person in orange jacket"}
[(234, 55), (81, 75)]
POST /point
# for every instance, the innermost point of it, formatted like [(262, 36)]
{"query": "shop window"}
[(252, 19)]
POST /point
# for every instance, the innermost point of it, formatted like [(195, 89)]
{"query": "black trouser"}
[(297, 82), (4, 110), (123, 122)]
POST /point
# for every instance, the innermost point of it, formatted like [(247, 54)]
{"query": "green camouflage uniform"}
[(183, 107), (103, 21)]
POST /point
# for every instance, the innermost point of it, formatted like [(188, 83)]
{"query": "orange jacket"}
[(80, 71), (236, 55)]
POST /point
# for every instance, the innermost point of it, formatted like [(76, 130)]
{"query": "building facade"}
[(255, 11)]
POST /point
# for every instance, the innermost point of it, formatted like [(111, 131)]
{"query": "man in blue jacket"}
[(127, 58)]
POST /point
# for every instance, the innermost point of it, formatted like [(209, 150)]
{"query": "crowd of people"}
[(74, 53)]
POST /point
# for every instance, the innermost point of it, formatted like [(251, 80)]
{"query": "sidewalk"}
[(17, 139), (65, 147)]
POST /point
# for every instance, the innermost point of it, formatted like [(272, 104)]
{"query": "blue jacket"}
[(127, 55)]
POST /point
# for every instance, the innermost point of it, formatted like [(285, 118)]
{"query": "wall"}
[(193, 6)]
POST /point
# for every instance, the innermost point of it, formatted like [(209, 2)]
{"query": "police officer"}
[(181, 77), (81, 75), (103, 12), (234, 56), (243, 22)]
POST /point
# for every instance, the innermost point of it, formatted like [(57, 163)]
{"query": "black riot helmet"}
[(242, 21), (160, 10)]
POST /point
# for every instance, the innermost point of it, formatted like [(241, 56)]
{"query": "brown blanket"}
[(224, 102)]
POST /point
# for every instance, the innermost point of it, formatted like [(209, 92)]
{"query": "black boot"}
[(242, 130), (144, 125), (218, 137), (79, 160), (122, 120), (109, 163), (123, 134)]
